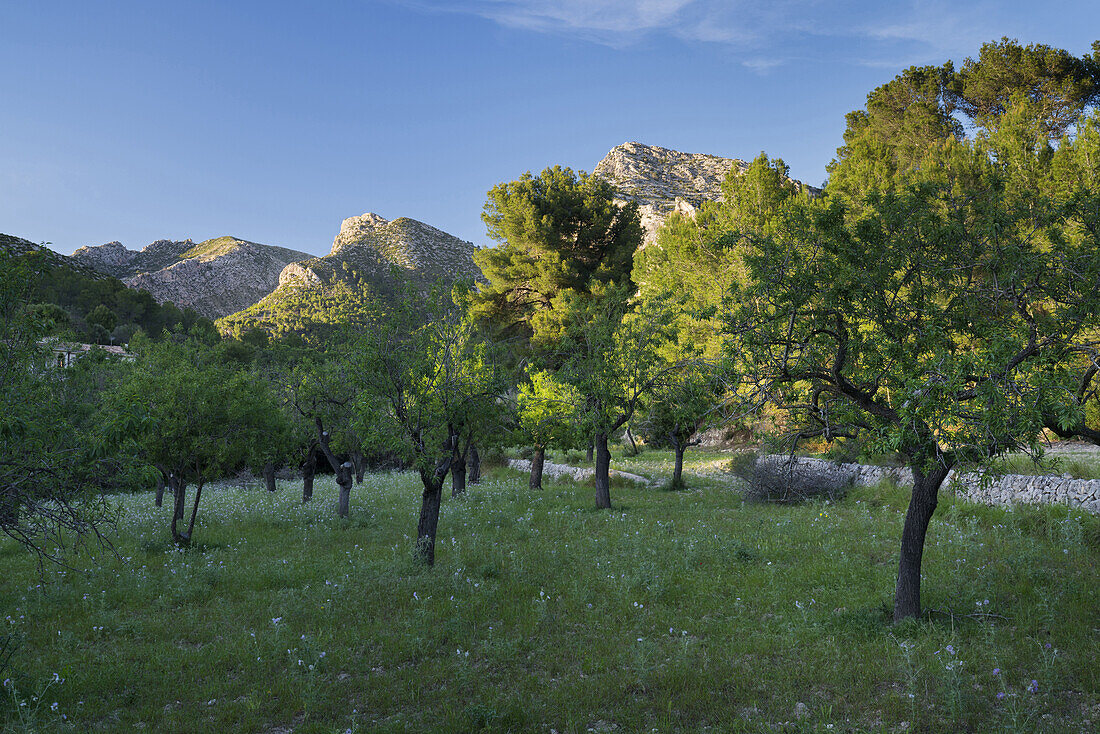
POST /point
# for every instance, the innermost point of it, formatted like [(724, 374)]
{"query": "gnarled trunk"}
[(922, 504), (603, 472), (588, 453), (160, 491), (430, 500), (538, 459), (309, 470), (475, 465), (269, 476), (344, 476), (307, 482), (678, 471), (458, 476)]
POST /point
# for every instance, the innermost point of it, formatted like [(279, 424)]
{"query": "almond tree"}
[(612, 356), (546, 415), (191, 418), (932, 320), (425, 382)]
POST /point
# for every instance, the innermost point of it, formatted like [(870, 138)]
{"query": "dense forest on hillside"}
[(77, 303)]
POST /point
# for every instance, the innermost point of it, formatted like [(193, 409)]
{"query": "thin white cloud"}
[(768, 33)]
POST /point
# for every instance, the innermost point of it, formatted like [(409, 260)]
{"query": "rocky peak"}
[(662, 181), (407, 243)]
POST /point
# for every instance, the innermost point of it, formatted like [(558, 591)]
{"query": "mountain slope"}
[(13, 246), (370, 255), (215, 277)]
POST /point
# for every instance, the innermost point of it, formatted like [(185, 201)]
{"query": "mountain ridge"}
[(215, 277)]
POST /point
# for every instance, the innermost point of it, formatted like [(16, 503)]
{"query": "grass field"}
[(675, 611)]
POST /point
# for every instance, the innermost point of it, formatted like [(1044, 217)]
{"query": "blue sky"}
[(273, 121)]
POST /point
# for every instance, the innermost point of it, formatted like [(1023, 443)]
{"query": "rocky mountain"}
[(662, 181), (216, 277), (369, 250), (372, 246)]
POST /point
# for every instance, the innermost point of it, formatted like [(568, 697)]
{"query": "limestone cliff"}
[(662, 181), (215, 277)]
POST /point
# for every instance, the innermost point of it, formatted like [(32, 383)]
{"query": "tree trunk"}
[(179, 491), (922, 505), (537, 461), (633, 445), (429, 517), (344, 477), (458, 476), (475, 465), (160, 491), (603, 472), (360, 465), (678, 472), (588, 454), (307, 481), (343, 471), (194, 512), (269, 476)]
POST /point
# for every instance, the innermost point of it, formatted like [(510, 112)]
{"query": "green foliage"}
[(547, 411), (423, 382), (613, 357), (903, 121), (184, 412), (1059, 84), (51, 467), (102, 316), (908, 121), (559, 234), (945, 354)]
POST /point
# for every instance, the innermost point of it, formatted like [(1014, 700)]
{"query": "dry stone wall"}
[(577, 473), (991, 489)]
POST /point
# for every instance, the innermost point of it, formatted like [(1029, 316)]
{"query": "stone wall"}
[(577, 473), (997, 489)]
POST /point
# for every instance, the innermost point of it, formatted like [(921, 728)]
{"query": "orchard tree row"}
[(939, 302)]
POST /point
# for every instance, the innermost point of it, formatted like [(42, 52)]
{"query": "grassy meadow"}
[(675, 611)]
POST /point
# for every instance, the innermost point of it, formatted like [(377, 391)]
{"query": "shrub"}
[(787, 479), (492, 456)]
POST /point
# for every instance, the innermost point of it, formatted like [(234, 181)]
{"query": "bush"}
[(492, 456), (787, 479)]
